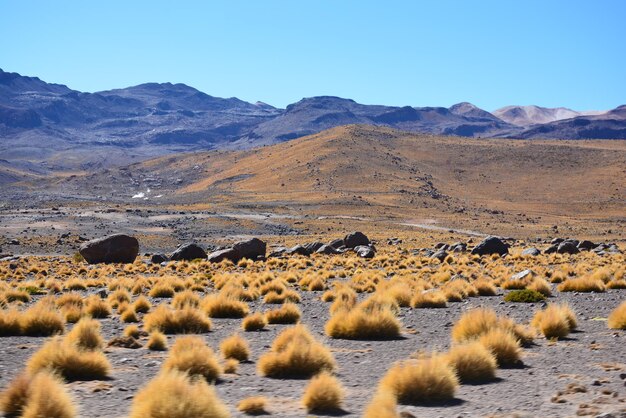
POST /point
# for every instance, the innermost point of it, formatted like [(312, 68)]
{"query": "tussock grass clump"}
[(324, 393), (429, 299), (132, 331), (485, 288), (254, 322), (382, 405), (162, 290), (504, 346), (191, 355), (254, 405), (69, 361), (231, 366), (477, 322), (86, 335), (295, 353), (224, 306), (186, 298), (472, 362), (142, 305), (97, 307), (183, 321), (10, 323), (361, 323), (16, 295), (524, 296), (617, 318), (157, 341), (582, 284), (286, 296), (235, 347), (542, 286), (41, 320), (556, 321), (286, 314), (414, 382), (174, 394), (38, 396), (129, 315)]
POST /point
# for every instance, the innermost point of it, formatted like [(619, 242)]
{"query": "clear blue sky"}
[(492, 53)]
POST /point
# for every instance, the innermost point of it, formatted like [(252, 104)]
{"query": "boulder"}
[(531, 251), (252, 249), (491, 245), (364, 251), (551, 249), (188, 252), (225, 254), (355, 239), (277, 252), (528, 273), (118, 248), (440, 255), (567, 247), (327, 249), (337, 243), (586, 245), (298, 249), (313, 246), (158, 258)]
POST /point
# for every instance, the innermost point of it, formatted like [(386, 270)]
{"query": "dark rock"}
[(365, 251), (440, 255), (188, 252), (158, 258), (225, 254), (118, 248), (313, 246), (531, 251), (586, 245), (251, 249), (355, 239), (327, 249), (277, 252), (298, 249), (557, 241), (551, 249), (567, 247), (336, 243), (440, 245), (491, 245)]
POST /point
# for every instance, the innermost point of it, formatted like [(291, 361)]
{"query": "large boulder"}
[(118, 248), (365, 251), (158, 258), (298, 249), (225, 254), (327, 249), (567, 247), (252, 249), (491, 245), (337, 243), (354, 239), (188, 252), (586, 245)]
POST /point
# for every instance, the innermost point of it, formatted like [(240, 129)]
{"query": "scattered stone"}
[(365, 251), (440, 255), (251, 249), (551, 249), (491, 245), (313, 246), (355, 239), (225, 254), (188, 252), (159, 258), (337, 243), (567, 247), (327, 249), (532, 251), (586, 245), (124, 342), (298, 249), (522, 274), (118, 248)]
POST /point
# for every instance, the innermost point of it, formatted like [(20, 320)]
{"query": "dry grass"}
[(428, 379), (235, 347), (254, 322), (69, 361), (582, 284), (38, 396), (86, 335), (359, 323), (10, 323), (617, 318), (324, 393), (504, 346), (477, 322), (174, 394), (556, 321), (191, 355), (254, 405), (429, 299), (132, 331), (142, 305), (157, 341), (41, 320), (295, 353), (289, 313), (383, 405), (224, 306), (97, 308), (183, 321), (472, 362), (231, 366), (485, 287)]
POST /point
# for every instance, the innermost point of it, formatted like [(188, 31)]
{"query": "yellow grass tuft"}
[(10, 323), (472, 362), (38, 396), (359, 323), (429, 299), (132, 331), (504, 346), (42, 319), (97, 307), (174, 394), (183, 321), (324, 393), (254, 405), (224, 306), (191, 355), (86, 335), (617, 318), (231, 365), (383, 405), (582, 284), (295, 353), (157, 341), (428, 379), (142, 305), (254, 322), (289, 313), (235, 347)]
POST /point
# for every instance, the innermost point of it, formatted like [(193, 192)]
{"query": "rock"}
[(188, 252), (251, 249), (531, 251), (298, 249), (225, 254), (159, 258), (14, 242), (394, 241), (278, 252), (586, 245), (567, 247), (355, 239), (327, 249), (522, 275), (125, 342), (441, 245), (440, 255), (118, 248), (491, 245), (313, 246), (458, 247), (557, 241), (364, 251), (551, 249), (337, 243)]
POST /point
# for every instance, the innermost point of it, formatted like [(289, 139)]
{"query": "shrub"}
[(324, 393), (362, 324), (472, 362), (41, 320), (556, 321), (434, 299), (524, 296), (184, 321), (286, 314), (132, 331), (295, 353), (191, 355), (254, 405), (68, 361), (428, 379), (235, 347), (97, 308), (582, 284), (37, 396), (383, 405), (477, 322), (254, 322), (157, 341), (174, 394), (504, 346), (231, 365), (142, 305), (186, 298), (86, 335), (162, 290), (617, 318), (223, 306), (485, 288), (10, 323)]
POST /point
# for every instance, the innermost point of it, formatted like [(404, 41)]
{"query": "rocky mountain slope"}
[(535, 115)]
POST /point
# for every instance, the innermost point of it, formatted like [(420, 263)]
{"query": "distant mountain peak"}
[(533, 115)]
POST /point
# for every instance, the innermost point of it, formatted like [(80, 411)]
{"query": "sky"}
[(417, 53)]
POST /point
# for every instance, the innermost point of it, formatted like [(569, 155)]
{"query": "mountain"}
[(50, 127), (535, 115)]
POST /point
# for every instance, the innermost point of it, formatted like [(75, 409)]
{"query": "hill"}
[(536, 115)]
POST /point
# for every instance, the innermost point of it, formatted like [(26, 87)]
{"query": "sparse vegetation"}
[(324, 393), (191, 355), (524, 296), (235, 347), (472, 362), (254, 322), (617, 318), (254, 405)]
